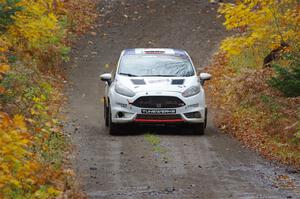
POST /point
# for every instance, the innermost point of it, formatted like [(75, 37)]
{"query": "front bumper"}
[(124, 112)]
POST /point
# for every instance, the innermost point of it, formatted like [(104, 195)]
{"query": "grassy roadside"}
[(35, 38), (256, 78)]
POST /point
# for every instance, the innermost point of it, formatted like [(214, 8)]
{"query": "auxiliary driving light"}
[(195, 114)]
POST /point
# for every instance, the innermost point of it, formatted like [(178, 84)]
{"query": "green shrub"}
[(7, 9), (287, 78)]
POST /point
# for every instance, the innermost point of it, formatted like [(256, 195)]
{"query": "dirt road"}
[(170, 163)]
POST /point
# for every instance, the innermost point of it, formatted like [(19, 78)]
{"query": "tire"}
[(112, 128), (106, 113), (205, 121), (198, 129)]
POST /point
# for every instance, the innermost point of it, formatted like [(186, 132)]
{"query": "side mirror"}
[(106, 77), (204, 77)]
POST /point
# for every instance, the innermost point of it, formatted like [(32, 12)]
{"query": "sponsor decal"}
[(158, 111)]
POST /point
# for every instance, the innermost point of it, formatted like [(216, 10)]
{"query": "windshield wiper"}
[(128, 74)]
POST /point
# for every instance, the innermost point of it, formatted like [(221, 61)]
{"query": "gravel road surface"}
[(181, 165)]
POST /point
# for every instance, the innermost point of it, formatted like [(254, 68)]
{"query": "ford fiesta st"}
[(155, 86)]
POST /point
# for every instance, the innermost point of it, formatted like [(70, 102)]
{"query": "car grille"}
[(158, 117), (158, 102)]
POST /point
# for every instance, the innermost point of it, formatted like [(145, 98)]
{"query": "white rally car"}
[(156, 85)]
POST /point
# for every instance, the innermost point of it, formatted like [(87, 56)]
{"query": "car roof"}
[(162, 51)]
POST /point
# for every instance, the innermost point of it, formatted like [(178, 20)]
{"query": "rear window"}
[(155, 65)]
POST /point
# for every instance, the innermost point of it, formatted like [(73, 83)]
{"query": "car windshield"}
[(155, 65)]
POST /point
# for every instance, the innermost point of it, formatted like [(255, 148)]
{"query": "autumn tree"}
[(261, 26)]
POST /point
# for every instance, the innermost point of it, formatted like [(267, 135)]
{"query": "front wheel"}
[(198, 129), (106, 113), (112, 127)]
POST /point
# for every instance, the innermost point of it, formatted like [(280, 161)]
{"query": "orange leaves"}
[(81, 14), (15, 158), (2, 90), (20, 167), (248, 108), (5, 120), (252, 111), (18, 121), (4, 68)]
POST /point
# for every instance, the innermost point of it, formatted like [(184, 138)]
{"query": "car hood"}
[(157, 84)]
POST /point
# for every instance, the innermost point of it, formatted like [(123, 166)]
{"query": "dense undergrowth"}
[(256, 77), (35, 38)]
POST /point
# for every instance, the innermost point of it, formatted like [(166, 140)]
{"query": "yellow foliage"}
[(249, 108), (35, 26), (3, 47), (17, 163), (261, 23), (31, 154), (4, 68)]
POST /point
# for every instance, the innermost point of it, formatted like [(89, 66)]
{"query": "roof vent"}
[(138, 81), (177, 81)]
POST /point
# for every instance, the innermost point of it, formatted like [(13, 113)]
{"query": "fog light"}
[(120, 114), (124, 115), (196, 114)]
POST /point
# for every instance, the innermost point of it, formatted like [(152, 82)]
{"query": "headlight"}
[(193, 90), (123, 90)]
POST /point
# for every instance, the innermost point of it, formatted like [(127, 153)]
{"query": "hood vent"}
[(177, 81), (138, 81)]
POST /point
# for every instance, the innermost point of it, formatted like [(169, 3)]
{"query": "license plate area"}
[(158, 111)]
